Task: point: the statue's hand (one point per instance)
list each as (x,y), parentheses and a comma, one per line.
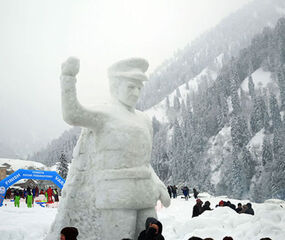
(164,196)
(70,67)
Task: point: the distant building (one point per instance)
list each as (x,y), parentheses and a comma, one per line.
(3,172)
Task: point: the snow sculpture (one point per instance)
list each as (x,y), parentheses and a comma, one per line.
(111,187)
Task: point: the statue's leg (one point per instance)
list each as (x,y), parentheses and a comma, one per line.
(143,214)
(118,223)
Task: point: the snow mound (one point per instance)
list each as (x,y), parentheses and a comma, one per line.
(269,220)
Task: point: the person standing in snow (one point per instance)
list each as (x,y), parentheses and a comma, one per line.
(169,189)
(195,193)
(17,199)
(37,191)
(153,230)
(55,194)
(174,191)
(197,209)
(49,193)
(29,200)
(185,191)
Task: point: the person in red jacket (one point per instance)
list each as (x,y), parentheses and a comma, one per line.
(49,193)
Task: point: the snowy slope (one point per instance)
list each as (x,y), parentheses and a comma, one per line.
(159,111)
(24,164)
(269,221)
(261,79)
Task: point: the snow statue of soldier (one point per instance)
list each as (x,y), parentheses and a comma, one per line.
(111,188)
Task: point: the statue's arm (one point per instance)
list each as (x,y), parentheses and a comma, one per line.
(73,112)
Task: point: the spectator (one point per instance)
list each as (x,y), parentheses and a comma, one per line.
(49,193)
(208,239)
(69,233)
(195,193)
(239,208)
(55,194)
(206,206)
(221,204)
(185,191)
(174,191)
(197,209)
(266,238)
(169,189)
(195,238)
(249,209)
(228,238)
(153,230)
(17,199)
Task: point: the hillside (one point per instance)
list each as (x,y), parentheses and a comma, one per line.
(226,135)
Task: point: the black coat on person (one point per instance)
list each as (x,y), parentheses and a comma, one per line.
(197,210)
(249,209)
(206,206)
(150,233)
(239,209)
(195,193)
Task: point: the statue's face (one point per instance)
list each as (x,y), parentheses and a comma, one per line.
(128,92)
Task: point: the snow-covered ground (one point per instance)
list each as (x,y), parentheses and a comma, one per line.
(269,221)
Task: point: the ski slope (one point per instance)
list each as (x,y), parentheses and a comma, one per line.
(268,221)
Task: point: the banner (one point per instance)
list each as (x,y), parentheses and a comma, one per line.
(29,174)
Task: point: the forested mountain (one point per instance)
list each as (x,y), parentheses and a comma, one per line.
(227,135)
(229,37)
(218,109)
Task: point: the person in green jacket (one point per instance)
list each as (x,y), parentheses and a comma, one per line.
(46,194)
(17,199)
(29,200)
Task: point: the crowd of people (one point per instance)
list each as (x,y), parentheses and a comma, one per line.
(152,231)
(199,208)
(172,191)
(30,194)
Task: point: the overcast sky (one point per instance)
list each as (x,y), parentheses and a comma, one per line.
(37,35)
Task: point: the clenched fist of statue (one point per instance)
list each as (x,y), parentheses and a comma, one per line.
(70,67)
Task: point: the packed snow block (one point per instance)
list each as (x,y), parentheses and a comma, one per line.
(130,194)
(110,181)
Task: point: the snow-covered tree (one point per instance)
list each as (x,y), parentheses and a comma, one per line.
(63,166)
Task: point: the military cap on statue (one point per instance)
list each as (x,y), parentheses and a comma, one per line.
(132,68)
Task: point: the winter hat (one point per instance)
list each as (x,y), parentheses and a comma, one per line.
(198,200)
(248,205)
(152,220)
(221,203)
(70,233)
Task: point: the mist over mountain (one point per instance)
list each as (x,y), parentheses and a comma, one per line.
(228,37)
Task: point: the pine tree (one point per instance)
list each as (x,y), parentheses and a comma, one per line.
(275,113)
(258,115)
(251,87)
(267,154)
(63,166)
(233,91)
(248,167)
(239,131)
(236,179)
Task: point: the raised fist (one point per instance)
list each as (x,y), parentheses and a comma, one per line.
(70,67)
